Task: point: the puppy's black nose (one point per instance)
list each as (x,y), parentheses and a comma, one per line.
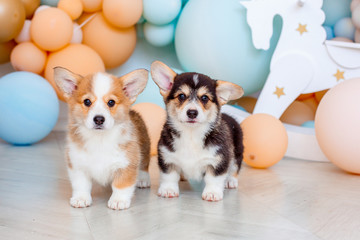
(99,120)
(192,113)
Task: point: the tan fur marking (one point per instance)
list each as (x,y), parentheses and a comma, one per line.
(68,161)
(127,177)
(143,140)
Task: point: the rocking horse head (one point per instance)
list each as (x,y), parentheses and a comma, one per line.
(260,15)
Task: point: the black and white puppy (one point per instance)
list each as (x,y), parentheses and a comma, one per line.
(197,140)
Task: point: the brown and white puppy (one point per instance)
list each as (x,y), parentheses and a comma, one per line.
(197,140)
(106,142)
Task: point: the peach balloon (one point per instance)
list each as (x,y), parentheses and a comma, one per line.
(73,8)
(319,95)
(114,45)
(122,13)
(337,125)
(265,140)
(24,35)
(154,117)
(12,17)
(5,51)
(78,58)
(247,102)
(92,5)
(27,56)
(312,103)
(304,96)
(51,29)
(30,7)
(297,113)
(39,9)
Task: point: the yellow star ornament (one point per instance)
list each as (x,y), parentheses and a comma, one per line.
(302,28)
(279,92)
(339,75)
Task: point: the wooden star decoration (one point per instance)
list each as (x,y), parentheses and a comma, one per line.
(302,28)
(339,75)
(279,92)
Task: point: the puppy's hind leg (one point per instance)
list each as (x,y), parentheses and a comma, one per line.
(232,178)
(143,179)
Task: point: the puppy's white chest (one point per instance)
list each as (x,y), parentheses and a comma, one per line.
(191,156)
(98,159)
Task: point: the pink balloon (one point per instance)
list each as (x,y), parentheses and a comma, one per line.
(337,125)
(24,35)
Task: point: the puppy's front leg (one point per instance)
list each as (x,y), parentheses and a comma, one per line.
(123,187)
(169,184)
(214,186)
(81,188)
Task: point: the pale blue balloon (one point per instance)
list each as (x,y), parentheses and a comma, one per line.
(308,124)
(329,32)
(52,3)
(212,37)
(159,36)
(161,12)
(335,10)
(345,28)
(152,93)
(29,108)
(239,107)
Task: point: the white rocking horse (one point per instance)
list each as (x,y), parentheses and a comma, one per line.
(303,61)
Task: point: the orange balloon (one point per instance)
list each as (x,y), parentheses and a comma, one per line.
(337,125)
(122,13)
(77,58)
(297,113)
(312,103)
(73,8)
(92,5)
(114,45)
(305,96)
(265,140)
(319,95)
(247,102)
(154,117)
(5,51)
(51,29)
(30,6)
(27,56)
(12,17)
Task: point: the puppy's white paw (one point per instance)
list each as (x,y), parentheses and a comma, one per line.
(143,180)
(168,190)
(231,182)
(212,194)
(119,204)
(81,201)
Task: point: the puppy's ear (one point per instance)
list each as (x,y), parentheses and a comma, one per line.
(163,76)
(134,83)
(66,81)
(227,91)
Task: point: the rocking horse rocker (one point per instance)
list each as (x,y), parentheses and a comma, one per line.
(303,61)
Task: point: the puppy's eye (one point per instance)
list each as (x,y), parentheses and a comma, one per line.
(204,98)
(182,97)
(87,102)
(111,103)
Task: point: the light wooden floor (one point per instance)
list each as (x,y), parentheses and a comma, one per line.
(292,200)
